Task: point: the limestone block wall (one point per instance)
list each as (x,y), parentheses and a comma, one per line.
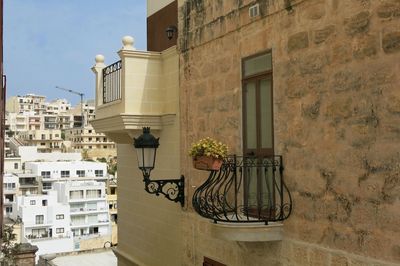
(336,122)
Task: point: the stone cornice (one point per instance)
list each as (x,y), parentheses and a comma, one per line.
(121,128)
(139,54)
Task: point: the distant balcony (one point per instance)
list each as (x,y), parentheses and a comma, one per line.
(26,184)
(142,89)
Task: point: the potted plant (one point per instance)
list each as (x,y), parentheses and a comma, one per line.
(208,154)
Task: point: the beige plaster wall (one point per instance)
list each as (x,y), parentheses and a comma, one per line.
(336,117)
(149,227)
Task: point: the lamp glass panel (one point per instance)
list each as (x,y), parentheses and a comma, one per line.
(139,153)
(149,157)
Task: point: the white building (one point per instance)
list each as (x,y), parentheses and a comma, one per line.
(90,222)
(12,165)
(30,153)
(10,190)
(58,106)
(45,222)
(17,122)
(51,172)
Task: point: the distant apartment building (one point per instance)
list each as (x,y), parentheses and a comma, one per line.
(10,190)
(112,208)
(27,103)
(58,106)
(45,222)
(90,222)
(86,109)
(50,172)
(32,112)
(73,215)
(50,121)
(35,122)
(64,121)
(13,165)
(30,153)
(88,139)
(44,140)
(29,183)
(16,122)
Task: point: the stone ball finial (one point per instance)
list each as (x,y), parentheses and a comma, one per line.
(99,59)
(128,42)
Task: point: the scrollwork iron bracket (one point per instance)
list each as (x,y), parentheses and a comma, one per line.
(172,189)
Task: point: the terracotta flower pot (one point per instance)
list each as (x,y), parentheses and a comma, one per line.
(207,163)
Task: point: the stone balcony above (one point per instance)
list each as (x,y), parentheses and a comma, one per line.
(142,89)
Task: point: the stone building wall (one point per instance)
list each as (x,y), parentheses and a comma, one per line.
(336,122)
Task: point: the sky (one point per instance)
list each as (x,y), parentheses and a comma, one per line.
(50,43)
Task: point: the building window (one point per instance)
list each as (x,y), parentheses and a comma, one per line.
(60,217)
(93,230)
(8,210)
(45,174)
(46,185)
(258,137)
(80,173)
(9,186)
(39,219)
(43,136)
(77,194)
(15,165)
(98,173)
(64,173)
(33,202)
(44,202)
(93,193)
(59,230)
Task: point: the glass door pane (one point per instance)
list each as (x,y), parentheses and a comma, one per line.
(266,114)
(250,116)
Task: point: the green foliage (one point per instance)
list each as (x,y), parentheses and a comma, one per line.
(102,160)
(112,169)
(8,246)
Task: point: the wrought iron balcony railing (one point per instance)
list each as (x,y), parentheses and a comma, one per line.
(245,190)
(112,82)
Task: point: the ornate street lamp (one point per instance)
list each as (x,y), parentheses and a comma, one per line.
(146,148)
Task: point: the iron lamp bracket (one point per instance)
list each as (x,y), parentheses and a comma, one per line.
(172,189)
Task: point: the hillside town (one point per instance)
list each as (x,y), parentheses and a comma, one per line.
(60,176)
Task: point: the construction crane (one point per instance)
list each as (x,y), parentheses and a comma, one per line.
(77,93)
